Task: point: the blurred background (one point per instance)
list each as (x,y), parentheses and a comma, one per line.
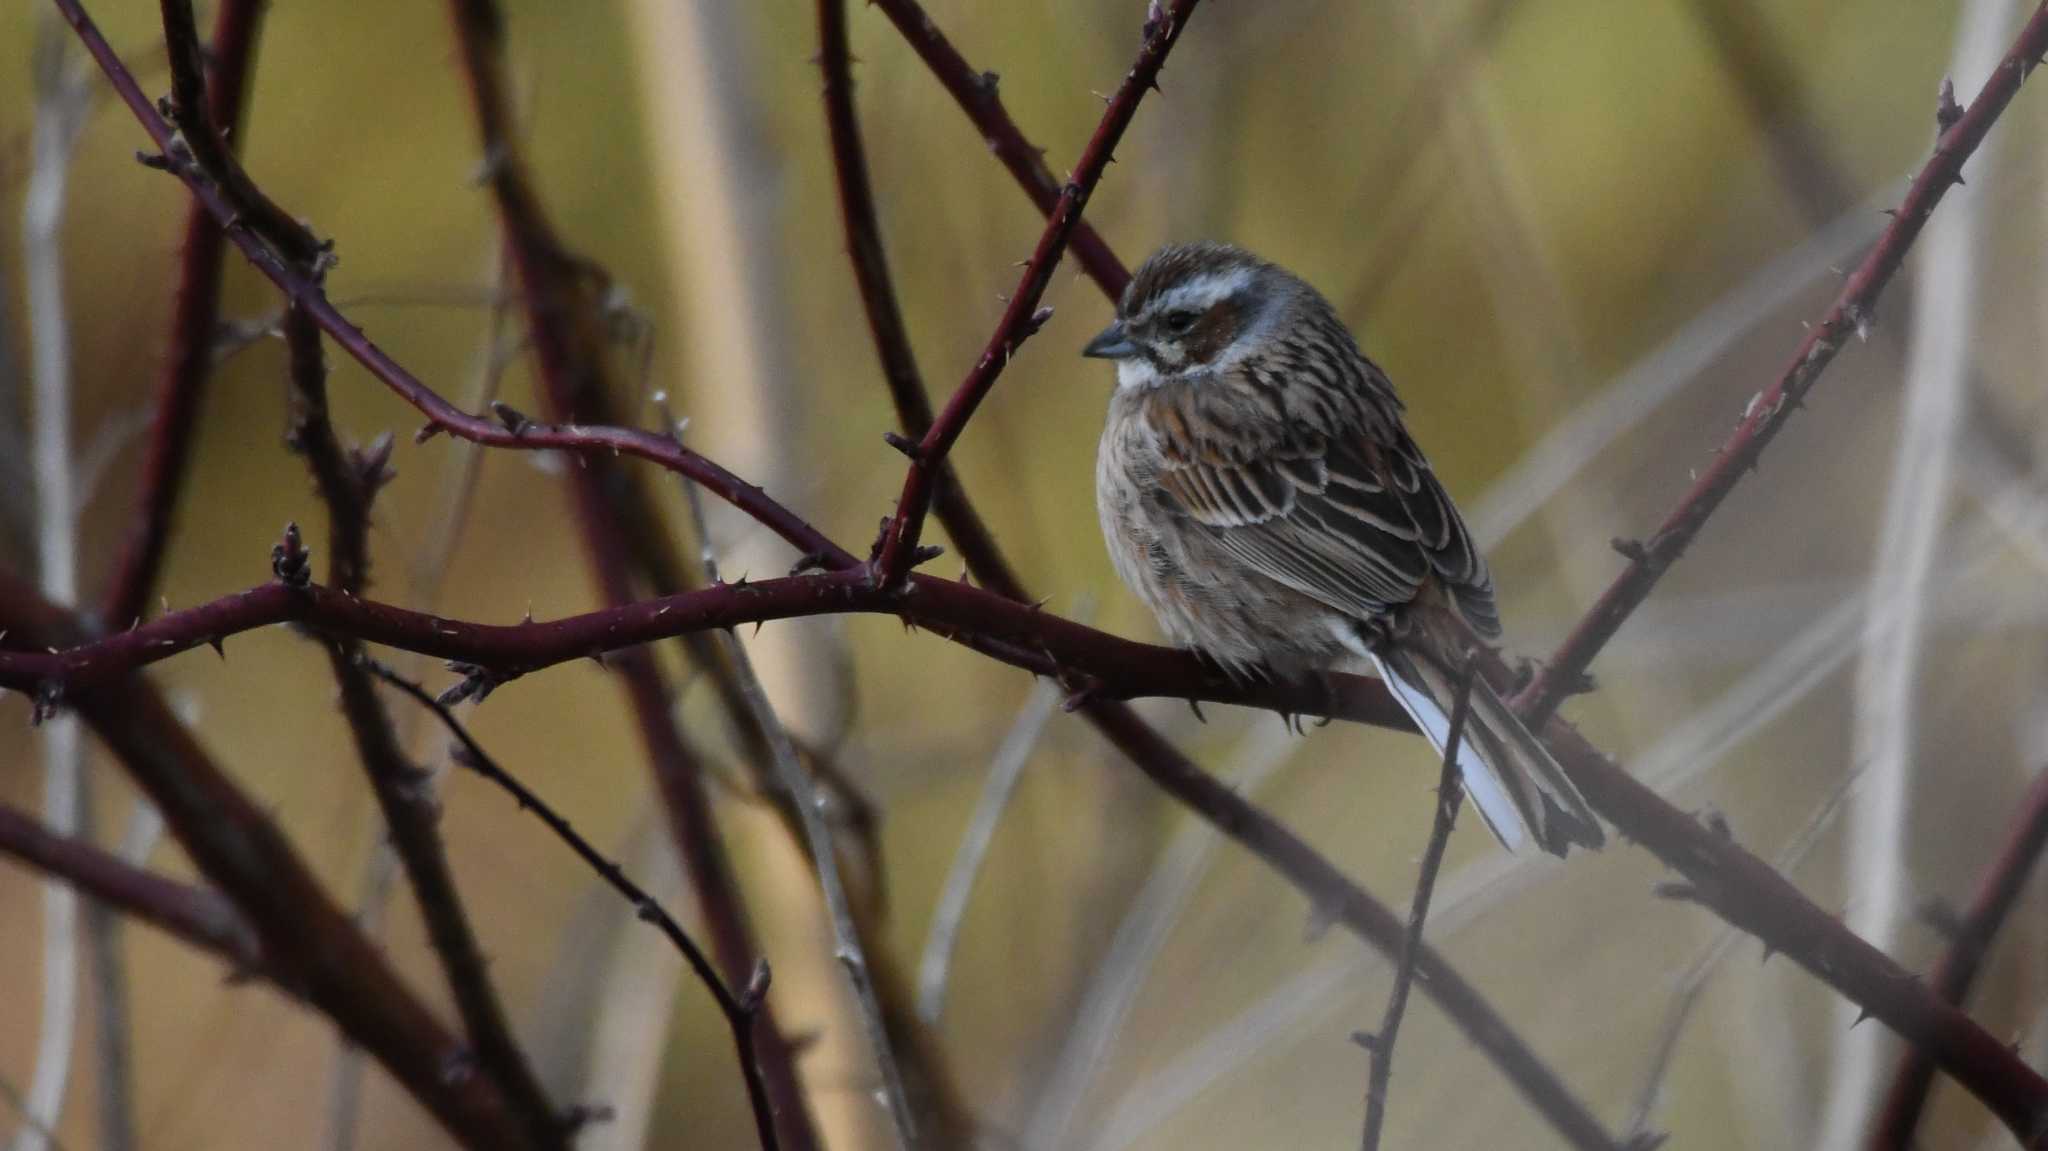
(1579,235)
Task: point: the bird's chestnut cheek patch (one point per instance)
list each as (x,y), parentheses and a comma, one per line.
(1214,332)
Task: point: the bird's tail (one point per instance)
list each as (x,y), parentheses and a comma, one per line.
(1519,789)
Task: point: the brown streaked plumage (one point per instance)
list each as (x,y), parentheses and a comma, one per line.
(1259,491)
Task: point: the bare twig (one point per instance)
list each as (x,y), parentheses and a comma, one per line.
(188,359)
(1022,316)
(347,483)
(570,345)
(1450,793)
(194,915)
(1769,411)
(1969,946)
(739,1008)
(1915,514)
(247,857)
(846,944)
(975,92)
(1741,887)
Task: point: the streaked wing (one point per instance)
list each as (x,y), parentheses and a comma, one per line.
(1358,525)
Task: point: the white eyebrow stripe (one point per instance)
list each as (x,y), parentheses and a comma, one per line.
(1202,293)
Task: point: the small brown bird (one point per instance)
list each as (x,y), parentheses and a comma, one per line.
(1259,492)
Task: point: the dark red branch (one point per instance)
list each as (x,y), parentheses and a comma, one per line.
(201,143)
(1770,410)
(1750,894)
(1017,633)
(313,943)
(1969,946)
(976,94)
(1022,316)
(739,1008)
(502,429)
(1148,750)
(193,914)
(188,359)
(346,483)
(570,352)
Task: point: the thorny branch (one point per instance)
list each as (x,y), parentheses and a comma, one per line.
(1148,750)
(571,354)
(1970,936)
(739,1009)
(1023,317)
(347,482)
(1741,888)
(1771,409)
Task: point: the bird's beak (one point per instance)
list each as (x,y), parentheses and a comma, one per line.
(1112,344)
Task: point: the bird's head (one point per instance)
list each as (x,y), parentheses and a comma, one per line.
(1190,309)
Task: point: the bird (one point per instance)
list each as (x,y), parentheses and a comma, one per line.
(1260,492)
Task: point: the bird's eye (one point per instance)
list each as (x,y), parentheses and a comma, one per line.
(1179,322)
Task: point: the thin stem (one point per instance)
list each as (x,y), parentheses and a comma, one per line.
(846,944)
(571,354)
(347,482)
(1970,937)
(1770,410)
(195,314)
(195,915)
(239,849)
(739,1008)
(1022,316)
(1450,793)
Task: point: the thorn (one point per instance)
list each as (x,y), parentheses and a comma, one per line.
(427,432)
(219,648)
(1943,917)
(1367,1040)
(1946,110)
(514,420)
(1037,321)
(1631,550)
(909,447)
(989,82)
(1321,917)
(373,465)
(1862,1014)
(1195,705)
(154,161)
(808,562)
(48,697)
(1677,891)
(926,553)
(290,562)
(756,989)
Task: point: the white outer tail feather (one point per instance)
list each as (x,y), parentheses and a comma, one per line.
(1488,793)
